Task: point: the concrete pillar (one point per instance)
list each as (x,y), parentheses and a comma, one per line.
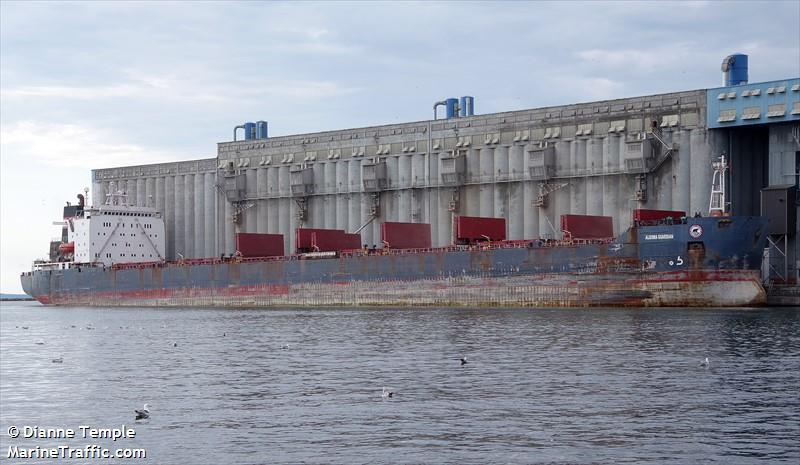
(150,192)
(516,195)
(681,172)
(273,204)
(661,198)
(180,220)
(611,154)
(160,196)
(250,214)
(199,249)
(319,204)
(594,184)
(262,213)
(272,187)
(392,172)
(367,233)
(130,189)
(98,194)
(229,227)
(354,198)
(389,211)
(486,178)
(559,201)
(578,164)
(404,196)
(471,194)
(500,171)
(701,143)
(210,215)
(169,216)
(418,176)
(342,187)
(445,217)
(188,215)
(433,207)
(286,222)
(141,193)
(530,213)
(404,171)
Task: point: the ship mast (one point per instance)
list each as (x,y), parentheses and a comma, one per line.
(717,206)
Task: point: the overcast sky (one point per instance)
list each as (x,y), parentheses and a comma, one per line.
(94,85)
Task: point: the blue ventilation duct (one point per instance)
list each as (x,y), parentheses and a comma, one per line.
(451,108)
(249,131)
(734,70)
(261,130)
(466,106)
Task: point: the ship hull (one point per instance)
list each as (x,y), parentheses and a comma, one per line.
(703,289)
(647,267)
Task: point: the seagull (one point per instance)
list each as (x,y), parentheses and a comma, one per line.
(285,347)
(386,393)
(142,414)
(464,360)
(58,360)
(705,363)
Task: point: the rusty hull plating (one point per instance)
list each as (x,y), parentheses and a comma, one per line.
(702,262)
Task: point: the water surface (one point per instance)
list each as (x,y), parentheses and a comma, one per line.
(554,386)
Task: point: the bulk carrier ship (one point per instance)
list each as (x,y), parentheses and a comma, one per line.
(113,255)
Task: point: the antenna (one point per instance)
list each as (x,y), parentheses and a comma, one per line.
(717,206)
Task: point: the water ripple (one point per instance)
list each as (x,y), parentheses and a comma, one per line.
(541,386)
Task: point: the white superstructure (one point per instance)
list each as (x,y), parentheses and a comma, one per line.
(117,232)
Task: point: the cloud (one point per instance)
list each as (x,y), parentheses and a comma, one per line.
(653,59)
(74,146)
(71,92)
(183,89)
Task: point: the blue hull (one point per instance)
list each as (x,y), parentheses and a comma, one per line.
(705,262)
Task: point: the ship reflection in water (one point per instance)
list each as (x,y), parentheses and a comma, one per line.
(290,386)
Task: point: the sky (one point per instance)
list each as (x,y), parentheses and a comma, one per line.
(96,85)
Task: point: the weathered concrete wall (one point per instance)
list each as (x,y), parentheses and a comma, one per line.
(184,192)
(591,174)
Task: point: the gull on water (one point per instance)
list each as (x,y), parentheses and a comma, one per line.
(705,362)
(464,360)
(143,413)
(386,393)
(58,360)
